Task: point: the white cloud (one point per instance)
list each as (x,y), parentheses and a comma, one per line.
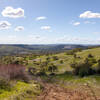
(89,22)
(76,23)
(45,27)
(36,39)
(4,25)
(77,40)
(13,13)
(71,22)
(41,18)
(34,36)
(96,32)
(12,37)
(19,28)
(89,14)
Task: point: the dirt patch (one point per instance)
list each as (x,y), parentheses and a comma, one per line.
(54,92)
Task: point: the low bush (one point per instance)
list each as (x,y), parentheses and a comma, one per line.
(11,72)
(73,51)
(52,68)
(55,58)
(90,56)
(61,61)
(32,70)
(4,84)
(70,52)
(97,67)
(41,73)
(82,69)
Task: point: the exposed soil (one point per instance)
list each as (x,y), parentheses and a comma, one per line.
(54,92)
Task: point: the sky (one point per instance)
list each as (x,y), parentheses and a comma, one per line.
(49,21)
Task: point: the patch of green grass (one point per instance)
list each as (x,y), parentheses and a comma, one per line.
(21,91)
(65,77)
(68,78)
(95,52)
(67,59)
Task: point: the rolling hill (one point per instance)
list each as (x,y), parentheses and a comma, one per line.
(12,49)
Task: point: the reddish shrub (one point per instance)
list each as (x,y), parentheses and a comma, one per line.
(13,72)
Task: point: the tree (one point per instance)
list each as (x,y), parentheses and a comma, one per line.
(75,56)
(61,61)
(52,68)
(32,70)
(98,66)
(82,69)
(48,58)
(90,56)
(55,58)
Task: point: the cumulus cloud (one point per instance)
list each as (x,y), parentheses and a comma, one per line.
(13,13)
(4,25)
(45,27)
(41,18)
(19,28)
(76,23)
(89,14)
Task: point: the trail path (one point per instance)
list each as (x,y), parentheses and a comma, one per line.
(54,92)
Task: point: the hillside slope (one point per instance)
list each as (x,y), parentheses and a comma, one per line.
(12,49)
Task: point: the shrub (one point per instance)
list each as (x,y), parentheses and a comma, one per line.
(52,68)
(41,73)
(11,72)
(48,58)
(61,61)
(90,59)
(82,69)
(98,67)
(90,56)
(4,84)
(32,70)
(70,52)
(55,58)
(75,56)
(85,70)
(77,49)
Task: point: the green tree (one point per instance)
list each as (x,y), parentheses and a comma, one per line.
(82,69)
(52,68)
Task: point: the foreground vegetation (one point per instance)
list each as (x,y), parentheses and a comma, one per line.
(20,91)
(71,69)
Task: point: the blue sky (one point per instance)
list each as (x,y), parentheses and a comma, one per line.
(49,21)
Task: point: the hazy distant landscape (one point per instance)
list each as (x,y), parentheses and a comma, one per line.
(43,49)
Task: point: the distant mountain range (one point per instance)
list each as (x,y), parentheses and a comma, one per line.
(11,49)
